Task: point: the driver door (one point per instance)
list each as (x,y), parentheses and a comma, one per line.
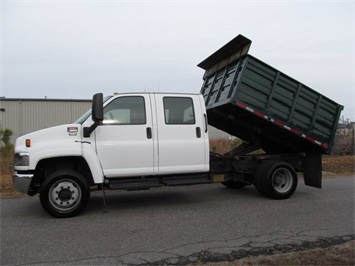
(124,141)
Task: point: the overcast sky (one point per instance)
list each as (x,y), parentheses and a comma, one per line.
(73,49)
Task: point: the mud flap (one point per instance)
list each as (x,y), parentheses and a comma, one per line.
(312,170)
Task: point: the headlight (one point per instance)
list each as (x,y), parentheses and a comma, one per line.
(22,159)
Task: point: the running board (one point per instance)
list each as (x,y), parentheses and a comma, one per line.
(155,182)
(134,184)
(186,180)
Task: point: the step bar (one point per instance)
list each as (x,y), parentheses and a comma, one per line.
(143,183)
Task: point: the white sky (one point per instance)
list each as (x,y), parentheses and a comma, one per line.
(73,49)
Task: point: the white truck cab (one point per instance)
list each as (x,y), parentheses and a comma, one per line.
(135,135)
(151,134)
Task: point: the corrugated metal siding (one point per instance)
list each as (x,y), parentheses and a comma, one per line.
(23,116)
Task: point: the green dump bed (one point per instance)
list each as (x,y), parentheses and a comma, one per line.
(253,101)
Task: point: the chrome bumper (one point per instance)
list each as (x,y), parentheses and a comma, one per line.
(22,181)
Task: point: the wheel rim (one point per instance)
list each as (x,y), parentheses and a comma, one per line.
(282,180)
(65,195)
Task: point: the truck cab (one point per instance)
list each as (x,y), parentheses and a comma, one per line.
(151,134)
(125,139)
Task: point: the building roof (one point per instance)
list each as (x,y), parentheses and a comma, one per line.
(42,100)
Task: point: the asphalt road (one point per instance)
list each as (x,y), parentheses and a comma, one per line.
(177,225)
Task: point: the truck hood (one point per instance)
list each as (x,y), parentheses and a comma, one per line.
(58,141)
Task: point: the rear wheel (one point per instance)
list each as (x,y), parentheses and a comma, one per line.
(64,194)
(276,179)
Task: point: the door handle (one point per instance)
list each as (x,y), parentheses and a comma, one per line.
(198,132)
(206,123)
(149,132)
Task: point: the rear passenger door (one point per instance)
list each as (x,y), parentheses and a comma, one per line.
(182,134)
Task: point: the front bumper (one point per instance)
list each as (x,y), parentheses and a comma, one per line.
(22,181)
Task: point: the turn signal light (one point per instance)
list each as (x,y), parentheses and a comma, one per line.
(28,143)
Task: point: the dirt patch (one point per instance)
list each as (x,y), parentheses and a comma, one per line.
(339,164)
(343,254)
(7,189)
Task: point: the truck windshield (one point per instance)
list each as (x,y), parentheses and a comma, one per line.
(85,116)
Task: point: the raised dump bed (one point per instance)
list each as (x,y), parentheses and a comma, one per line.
(253,101)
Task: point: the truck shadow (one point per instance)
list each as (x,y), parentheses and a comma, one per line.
(177,197)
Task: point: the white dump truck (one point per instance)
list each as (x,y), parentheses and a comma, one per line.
(136,141)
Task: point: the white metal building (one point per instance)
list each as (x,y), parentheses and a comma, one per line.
(23,116)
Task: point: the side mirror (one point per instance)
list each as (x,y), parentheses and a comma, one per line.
(97,114)
(97,108)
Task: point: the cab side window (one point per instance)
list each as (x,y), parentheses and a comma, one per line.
(178,111)
(128,110)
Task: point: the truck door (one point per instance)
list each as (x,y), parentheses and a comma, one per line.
(124,142)
(182,134)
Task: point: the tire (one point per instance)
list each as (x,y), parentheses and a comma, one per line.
(234,184)
(64,194)
(275,179)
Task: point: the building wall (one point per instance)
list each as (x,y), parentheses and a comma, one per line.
(23,116)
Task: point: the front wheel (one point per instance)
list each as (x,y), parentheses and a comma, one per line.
(276,179)
(64,194)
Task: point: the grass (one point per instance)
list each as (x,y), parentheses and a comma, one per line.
(6,162)
(339,164)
